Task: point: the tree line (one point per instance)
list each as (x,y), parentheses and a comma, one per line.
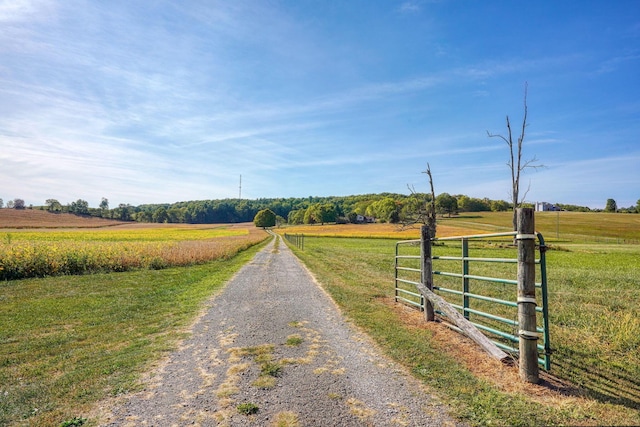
(383,207)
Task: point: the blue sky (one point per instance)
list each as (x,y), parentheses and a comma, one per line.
(161,101)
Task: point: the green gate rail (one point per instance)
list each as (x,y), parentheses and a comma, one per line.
(488,317)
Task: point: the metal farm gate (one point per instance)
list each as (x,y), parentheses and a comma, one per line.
(478,275)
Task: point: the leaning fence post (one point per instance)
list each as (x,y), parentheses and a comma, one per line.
(426,268)
(527,325)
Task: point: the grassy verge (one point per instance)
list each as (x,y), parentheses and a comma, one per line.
(68,342)
(358,273)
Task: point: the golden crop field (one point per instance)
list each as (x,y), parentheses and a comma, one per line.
(377,230)
(46,252)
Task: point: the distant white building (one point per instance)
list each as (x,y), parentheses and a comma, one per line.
(546,207)
(362,218)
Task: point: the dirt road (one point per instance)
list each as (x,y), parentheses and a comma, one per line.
(273,349)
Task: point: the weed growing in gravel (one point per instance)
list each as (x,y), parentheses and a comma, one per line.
(273,369)
(247,408)
(294,340)
(264,382)
(75,422)
(286,419)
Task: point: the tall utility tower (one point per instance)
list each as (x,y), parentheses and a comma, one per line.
(240,189)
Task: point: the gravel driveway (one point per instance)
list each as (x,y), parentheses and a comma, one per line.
(273,349)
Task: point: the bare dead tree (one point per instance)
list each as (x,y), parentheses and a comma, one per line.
(516,164)
(425,214)
(431,211)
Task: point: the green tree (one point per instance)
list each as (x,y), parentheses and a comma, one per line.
(611,206)
(175,215)
(265,218)
(123,212)
(160,215)
(296,216)
(327,213)
(446,203)
(637,205)
(18,204)
(104,204)
(79,207)
(499,206)
(1,203)
(312,214)
(383,209)
(53,205)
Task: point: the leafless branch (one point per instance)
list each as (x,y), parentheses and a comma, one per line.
(425,214)
(515,164)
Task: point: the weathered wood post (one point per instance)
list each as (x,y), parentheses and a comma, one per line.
(426,267)
(528,343)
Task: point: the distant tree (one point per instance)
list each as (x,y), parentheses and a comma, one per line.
(79,207)
(574,208)
(10,204)
(516,164)
(446,203)
(472,204)
(383,209)
(296,216)
(160,215)
(499,206)
(637,205)
(104,204)
(313,214)
(1,203)
(18,204)
(144,216)
(53,205)
(361,207)
(124,212)
(265,218)
(327,213)
(352,217)
(175,215)
(611,206)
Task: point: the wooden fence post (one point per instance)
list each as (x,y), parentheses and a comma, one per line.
(528,342)
(426,267)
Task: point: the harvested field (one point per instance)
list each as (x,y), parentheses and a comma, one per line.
(29,218)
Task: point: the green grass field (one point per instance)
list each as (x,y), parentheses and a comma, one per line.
(594,289)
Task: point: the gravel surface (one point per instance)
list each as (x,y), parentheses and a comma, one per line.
(274,342)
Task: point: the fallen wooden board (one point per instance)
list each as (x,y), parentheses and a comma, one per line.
(461,322)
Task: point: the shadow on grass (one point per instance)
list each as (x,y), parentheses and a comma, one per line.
(618,385)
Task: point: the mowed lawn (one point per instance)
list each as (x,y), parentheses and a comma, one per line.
(594,289)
